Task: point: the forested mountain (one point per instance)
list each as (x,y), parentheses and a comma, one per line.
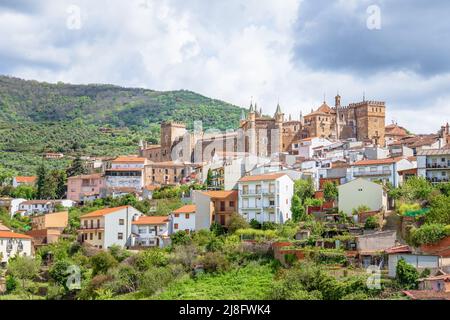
(37,117)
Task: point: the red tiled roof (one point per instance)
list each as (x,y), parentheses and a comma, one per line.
(378,161)
(427,295)
(24,179)
(189,208)
(129,159)
(399,249)
(220,194)
(103,212)
(143,220)
(10,234)
(269,176)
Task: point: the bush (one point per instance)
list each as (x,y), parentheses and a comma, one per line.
(118,253)
(124,279)
(58,272)
(154,280)
(151,258)
(371,223)
(217,229)
(269,225)
(102,262)
(237,222)
(428,234)
(180,238)
(215,262)
(255,224)
(407,275)
(11,283)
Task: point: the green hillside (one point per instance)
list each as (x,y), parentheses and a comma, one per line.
(37,117)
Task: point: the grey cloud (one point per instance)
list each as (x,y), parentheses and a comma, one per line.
(414,36)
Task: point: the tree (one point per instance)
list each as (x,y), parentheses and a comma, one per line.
(439,212)
(46,183)
(24,191)
(24,268)
(102,262)
(416,188)
(330,191)
(304,189)
(76,168)
(60,178)
(180,238)
(429,233)
(237,222)
(371,223)
(297,209)
(407,275)
(209,178)
(6,175)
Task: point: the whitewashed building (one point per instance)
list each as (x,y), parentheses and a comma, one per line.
(266,198)
(434,165)
(106,227)
(14,244)
(126,172)
(151,231)
(30,207)
(361,192)
(183,219)
(380,170)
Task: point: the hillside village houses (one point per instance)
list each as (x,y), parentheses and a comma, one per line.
(266,198)
(251,172)
(106,227)
(23,180)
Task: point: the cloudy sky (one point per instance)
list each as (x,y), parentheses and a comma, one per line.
(292,51)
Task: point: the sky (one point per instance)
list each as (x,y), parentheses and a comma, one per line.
(295,52)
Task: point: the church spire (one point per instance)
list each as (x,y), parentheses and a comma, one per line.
(278,111)
(242,115)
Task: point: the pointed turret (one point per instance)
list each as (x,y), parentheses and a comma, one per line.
(278,111)
(242,115)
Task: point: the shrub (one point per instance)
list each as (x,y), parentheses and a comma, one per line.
(406,207)
(428,234)
(102,262)
(371,223)
(151,258)
(11,283)
(267,225)
(255,224)
(237,222)
(407,275)
(118,253)
(180,238)
(58,272)
(215,262)
(124,279)
(154,280)
(217,229)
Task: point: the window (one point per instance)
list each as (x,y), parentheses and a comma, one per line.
(245,189)
(187,215)
(222,205)
(91,236)
(177,215)
(121,222)
(271,202)
(258,188)
(175,226)
(120,236)
(232,204)
(99,236)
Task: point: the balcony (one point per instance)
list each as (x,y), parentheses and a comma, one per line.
(91,227)
(437,180)
(372,173)
(438,166)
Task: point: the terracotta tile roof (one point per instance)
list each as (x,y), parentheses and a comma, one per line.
(129,159)
(103,212)
(427,295)
(269,176)
(189,208)
(143,220)
(125,169)
(10,234)
(220,194)
(378,161)
(36,202)
(87,176)
(399,249)
(24,179)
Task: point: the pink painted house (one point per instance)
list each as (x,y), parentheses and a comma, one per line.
(85,187)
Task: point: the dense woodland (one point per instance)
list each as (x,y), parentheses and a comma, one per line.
(37,117)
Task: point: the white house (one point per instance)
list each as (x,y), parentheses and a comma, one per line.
(381,169)
(30,207)
(151,231)
(266,197)
(434,165)
(14,244)
(183,219)
(360,192)
(15,205)
(126,172)
(305,147)
(24,180)
(106,227)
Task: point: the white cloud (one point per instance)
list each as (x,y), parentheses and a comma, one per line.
(230,50)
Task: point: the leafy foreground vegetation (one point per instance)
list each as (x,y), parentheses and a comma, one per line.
(37,117)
